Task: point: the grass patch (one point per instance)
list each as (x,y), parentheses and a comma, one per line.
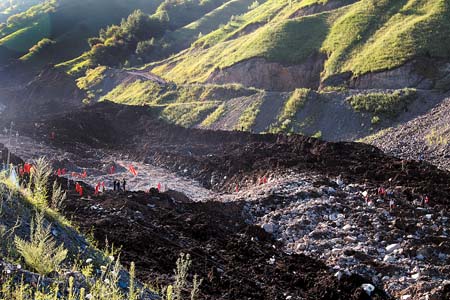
(287,42)
(142,92)
(92,78)
(438,137)
(182,38)
(187,114)
(386,104)
(286,118)
(215,116)
(248,117)
(376,35)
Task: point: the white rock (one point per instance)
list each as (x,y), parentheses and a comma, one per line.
(392,247)
(347,227)
(415,276)
(406,297)
(389,258)
(338,275)
(368,288)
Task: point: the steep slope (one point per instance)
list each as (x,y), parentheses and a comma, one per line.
(345,45)
(425,137)
(143,38)
(67,24)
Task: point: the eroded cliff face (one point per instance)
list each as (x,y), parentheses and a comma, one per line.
(272,76)
(408,75)
(421,73)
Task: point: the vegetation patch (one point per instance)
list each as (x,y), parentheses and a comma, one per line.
(41,46)
(215,116)
(188,114)
(386,104)
(286,119)
(93,78)
(248,117)
(438,137)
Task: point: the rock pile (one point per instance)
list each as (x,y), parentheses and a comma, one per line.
(406,250)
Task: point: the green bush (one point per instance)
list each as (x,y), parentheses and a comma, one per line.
(375,120)
(389,104)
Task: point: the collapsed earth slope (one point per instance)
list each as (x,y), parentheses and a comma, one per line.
(302,206)
(425,137)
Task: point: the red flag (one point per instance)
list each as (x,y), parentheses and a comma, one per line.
(58,172)
(27,168)
(159,187)
(63,171)
(97,188)
(237,187)
(132,170)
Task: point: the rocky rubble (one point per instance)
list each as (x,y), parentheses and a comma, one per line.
(426,137)
(406,250)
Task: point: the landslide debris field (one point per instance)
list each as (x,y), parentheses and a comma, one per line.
(308,233)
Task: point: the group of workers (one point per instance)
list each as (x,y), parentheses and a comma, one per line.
(118,187)
(388,195)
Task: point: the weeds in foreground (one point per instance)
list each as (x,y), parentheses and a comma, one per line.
(176,291)
(41,253)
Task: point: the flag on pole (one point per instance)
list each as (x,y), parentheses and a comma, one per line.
(132,170)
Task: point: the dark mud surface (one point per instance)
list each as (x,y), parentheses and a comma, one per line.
(236,260)
(232,157)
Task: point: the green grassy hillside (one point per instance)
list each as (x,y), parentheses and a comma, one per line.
(146,37)
(68,23)
(366,36)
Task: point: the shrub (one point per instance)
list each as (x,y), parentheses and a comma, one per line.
(41,253)
(375,120)
(58,197)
